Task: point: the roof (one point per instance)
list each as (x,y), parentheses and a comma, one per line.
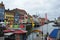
(9,11)
(29,16)
(20,10)
(54,33)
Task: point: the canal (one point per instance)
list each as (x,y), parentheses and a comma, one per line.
(45,28)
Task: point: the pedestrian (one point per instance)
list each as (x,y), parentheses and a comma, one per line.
(4,26)
(46,37)
(37,35)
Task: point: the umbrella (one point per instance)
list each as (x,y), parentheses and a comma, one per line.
(54,33)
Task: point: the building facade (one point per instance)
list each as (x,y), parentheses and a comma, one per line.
(9,15)
(19,15)
(42,21)
(2,10)
(16,17)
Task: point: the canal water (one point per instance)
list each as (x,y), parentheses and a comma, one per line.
(45,28)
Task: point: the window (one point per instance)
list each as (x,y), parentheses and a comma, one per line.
(1,9)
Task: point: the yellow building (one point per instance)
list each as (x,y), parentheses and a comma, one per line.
(31,20)
(9,15)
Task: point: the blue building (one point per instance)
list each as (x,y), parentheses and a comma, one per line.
(16,17)
(2,10)
(19,15)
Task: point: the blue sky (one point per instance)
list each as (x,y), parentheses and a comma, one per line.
(39,7)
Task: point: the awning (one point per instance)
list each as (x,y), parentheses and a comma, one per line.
(16,31)
(20,32)
(54,33)
(21,25)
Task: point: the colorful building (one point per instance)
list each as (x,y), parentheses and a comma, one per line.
(9,15)
(25,18)
(35,18)
(30,20)
(2,10)
(22,15)
(20,18)
(36,21)
(42,21)
(29,17)
(16,17)
(19,15)
(58,21)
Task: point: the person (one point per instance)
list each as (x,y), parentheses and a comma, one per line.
(37,35)
(3,26)
(1,32)
(46,37)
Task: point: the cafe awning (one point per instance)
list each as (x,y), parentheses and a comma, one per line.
(15,31)
(20,32)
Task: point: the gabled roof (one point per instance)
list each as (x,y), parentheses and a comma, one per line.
(20,10)
(29,16)
(9,11)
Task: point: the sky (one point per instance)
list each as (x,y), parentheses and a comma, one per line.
(37,7)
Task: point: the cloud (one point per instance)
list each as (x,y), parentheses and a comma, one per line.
(51,7)
(14,4)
